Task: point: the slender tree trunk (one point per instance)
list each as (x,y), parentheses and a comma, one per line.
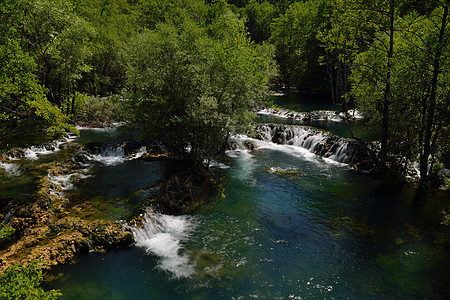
(387,90)
(73,111)
(426,151)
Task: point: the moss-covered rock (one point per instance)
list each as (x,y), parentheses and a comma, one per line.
(51,230)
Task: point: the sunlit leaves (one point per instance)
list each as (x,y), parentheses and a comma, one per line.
(195,86)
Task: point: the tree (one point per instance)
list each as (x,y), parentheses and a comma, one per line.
(114,22)
(297,48)
(425,62)
(405,88)
(258,16)
(193,87)
(343,38)
(22,98)
(371,69)
(60,42)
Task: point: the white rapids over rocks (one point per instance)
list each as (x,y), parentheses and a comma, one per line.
(319,115)
(302,140)
(11,169)
(164,236)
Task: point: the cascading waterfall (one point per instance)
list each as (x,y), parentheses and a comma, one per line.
(110,155)
(164,236)
(318,115)
(11,169)
(317,141)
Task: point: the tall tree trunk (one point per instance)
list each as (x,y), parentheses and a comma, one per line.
(426,151)
(387,90)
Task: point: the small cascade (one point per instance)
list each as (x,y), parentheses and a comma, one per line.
(139,153)
(110,155)
(164,236)
(65,182)
(34,152)
(300,136)
(11,169)
(317,115)
(316,141)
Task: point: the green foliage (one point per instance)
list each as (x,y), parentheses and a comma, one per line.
(258,16)
(152,12)
(21,95)
(20,282)
(193,87)
(60,42)
(114,22)
(6,232)
(446,216)
(297,48)
(100,110)
(414,108)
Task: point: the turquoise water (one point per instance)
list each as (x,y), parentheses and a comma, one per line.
(330,233)
(303,101)
(284,224)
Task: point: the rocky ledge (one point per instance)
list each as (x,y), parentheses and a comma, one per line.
(53,230)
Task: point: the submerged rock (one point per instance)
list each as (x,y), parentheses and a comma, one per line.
(292,174)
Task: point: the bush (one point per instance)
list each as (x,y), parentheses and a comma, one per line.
(20,282)
(6,232)
(100,110)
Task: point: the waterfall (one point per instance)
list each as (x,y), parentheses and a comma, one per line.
(316,141)
(139,153)
(110,155)
(34,152)
(317,115)
(11,169)
(164,236)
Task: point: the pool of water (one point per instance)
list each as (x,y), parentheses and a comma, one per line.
(284,224)
(304,101)
(328,232)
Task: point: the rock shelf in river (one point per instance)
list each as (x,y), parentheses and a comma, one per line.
(318,115)
(50,229)
(319,142)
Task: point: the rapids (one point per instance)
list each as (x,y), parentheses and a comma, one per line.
(289,221)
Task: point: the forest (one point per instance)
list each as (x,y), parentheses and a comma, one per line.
(191,73)
(190,70)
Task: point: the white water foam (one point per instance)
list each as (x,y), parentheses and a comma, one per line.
(33,152)
(239,141)
(65,182)
(110,156)
(141,151)
(11,169)
(164,236)
(318,115)
(340,150)
(218,165)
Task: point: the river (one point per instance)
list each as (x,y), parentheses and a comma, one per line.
(284,224)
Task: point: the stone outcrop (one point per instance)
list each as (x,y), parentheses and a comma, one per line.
(51,230)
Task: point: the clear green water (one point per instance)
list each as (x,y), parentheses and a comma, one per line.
(330,234)
(325,233)
(302,101)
